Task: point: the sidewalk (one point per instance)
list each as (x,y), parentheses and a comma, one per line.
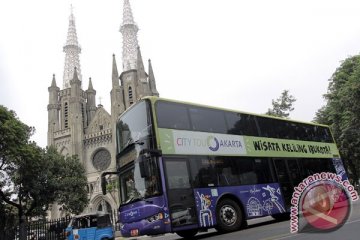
(131,238)
(161,236)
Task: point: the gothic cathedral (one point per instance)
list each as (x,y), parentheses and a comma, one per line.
(77,126)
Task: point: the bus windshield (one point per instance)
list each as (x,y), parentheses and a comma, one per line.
(135,186)
(134,127)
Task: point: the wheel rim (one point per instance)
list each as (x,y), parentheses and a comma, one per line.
(228,215)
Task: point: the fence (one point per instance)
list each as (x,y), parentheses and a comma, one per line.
(48,230)
(55,229)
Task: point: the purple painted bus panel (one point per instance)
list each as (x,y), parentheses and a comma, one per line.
(258,200)
(145,217)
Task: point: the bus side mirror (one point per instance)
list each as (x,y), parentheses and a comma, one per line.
(144,167)
(103,184)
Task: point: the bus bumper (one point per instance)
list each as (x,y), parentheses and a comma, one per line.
(144,227)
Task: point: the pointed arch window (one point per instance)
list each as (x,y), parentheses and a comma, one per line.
(83,114)
(104,206)
(66,115)
(131,101)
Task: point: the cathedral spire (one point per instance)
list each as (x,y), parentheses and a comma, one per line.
(129,31)
(72,50)
(53,82)
(142,76)
(152,80)
(115,74)
(90,85)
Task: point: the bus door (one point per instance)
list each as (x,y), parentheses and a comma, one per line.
(288,174)
(180,194)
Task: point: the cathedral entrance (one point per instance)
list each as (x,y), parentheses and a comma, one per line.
(104,206)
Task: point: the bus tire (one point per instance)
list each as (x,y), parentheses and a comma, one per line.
(229,216)
(187,234)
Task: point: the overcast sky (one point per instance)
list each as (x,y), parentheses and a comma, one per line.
(237,54)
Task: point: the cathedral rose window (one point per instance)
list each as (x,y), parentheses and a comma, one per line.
(101,159)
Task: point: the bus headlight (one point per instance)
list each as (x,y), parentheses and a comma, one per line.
(155,217)
(134,232)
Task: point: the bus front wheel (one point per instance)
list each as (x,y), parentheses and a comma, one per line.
(187,234)
(229,216)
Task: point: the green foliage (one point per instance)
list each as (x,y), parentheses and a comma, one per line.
(282,106)
(32,178)
(13,135)
(72,193)
(7,223)
(342,112)
(111,186)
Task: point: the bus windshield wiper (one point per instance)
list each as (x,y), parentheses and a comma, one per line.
(133,199)
(137,198)
(131,142)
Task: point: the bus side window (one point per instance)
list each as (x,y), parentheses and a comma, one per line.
(172,115)
(225,177)
(241,124)
(261,167)
(223,180)
(227,173)
(177,175)
(203,172)
(205,178)
(247,178)
(207,120)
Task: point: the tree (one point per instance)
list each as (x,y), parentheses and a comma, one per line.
(32,178)
(7,229)
(342,112)
(282,106)
(72,182)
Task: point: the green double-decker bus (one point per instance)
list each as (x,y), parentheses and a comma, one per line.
(186,167)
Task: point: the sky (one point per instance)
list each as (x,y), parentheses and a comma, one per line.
(236,54)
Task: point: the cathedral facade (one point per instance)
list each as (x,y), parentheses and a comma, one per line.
(77,126)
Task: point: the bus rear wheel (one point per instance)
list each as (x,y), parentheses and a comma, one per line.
(187,234)
(229,216)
